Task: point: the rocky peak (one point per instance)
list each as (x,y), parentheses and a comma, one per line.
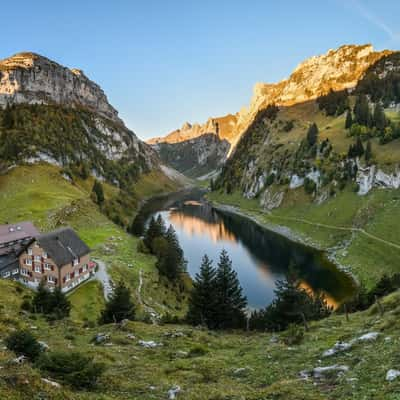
(31,78)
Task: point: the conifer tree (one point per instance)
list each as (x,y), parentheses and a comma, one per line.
(155,229)
(349,120)
(359,148)
(98,191)
(312,134)
(119,306)
(362,114)
(60,305)
(42,300)
(368,151)
(229,298)
(379,118)
(172,263)
(202,304)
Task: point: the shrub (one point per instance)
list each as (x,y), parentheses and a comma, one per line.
(23,343)
(76,369)
(293,335)
(197,351)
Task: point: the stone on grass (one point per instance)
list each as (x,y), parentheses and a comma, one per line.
(173,392)
(19,360)
(44,345)
(324,372)
(392,374)
(151,344)
(337,348)
(368,337)
(51,383)
(242,371)
(101,338)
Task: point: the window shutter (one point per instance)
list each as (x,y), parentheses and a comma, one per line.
(56,281)
(52,267)
(64,279)
(72,274)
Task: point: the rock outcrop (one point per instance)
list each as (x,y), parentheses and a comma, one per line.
(34,79)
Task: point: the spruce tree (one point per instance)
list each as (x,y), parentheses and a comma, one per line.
(119,306)
(60,305)
(359,148)
(98,191)
(379,118)
(229,298)
(368,152)
(41,302)
(349,120)
(8,121)
(172,263)
(155,229)
(202,303)
(362,114)
(312,134)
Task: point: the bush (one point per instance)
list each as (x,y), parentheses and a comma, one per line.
(76,369)
(197,351)
(293,335)
(23,343)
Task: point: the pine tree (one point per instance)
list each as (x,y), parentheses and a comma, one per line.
(229,298)
(312,134)
(202,305)
(379,118)
(368,152)
(98,191)
(41,302)
(155,229)
(349,120)
(119,306)
(8,118)
(362,114)
(172,263)
(60,305)
(359,148)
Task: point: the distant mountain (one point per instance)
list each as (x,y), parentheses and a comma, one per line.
(336,70)
(55,114)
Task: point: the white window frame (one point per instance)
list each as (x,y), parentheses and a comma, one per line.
(28,261)
(24,272)
(47,267)
(30,251)
(15,271)
(51,279)
(6,274)
(38,269)
(45,255)
(38,258)
(75,262)
(67,277)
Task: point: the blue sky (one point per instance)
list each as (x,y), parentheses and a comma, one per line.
(164,62)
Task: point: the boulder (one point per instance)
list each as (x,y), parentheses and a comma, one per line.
(173,392)
(392,374)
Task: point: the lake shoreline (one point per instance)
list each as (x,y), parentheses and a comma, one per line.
(288,233)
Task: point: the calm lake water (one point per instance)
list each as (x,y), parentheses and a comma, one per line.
(260,257)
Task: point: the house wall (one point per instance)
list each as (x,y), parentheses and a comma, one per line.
(34,267)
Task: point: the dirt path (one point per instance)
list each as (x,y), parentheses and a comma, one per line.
(103,276)
(149,310)
(360,230)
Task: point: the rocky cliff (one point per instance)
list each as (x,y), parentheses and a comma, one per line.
(196,157)
(335,70)
(33,79)
(55,114)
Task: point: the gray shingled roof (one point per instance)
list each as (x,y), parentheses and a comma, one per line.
(63,245)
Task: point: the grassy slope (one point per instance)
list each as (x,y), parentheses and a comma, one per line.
(377,213)
(39,193)
(272,368)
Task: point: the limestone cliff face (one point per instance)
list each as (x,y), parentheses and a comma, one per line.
(223,126)
(337,70)
(34,79)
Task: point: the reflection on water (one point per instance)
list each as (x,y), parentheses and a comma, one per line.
(260,257)
(193,226)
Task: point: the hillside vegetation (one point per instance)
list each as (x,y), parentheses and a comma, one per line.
(40,193)
(208,365)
